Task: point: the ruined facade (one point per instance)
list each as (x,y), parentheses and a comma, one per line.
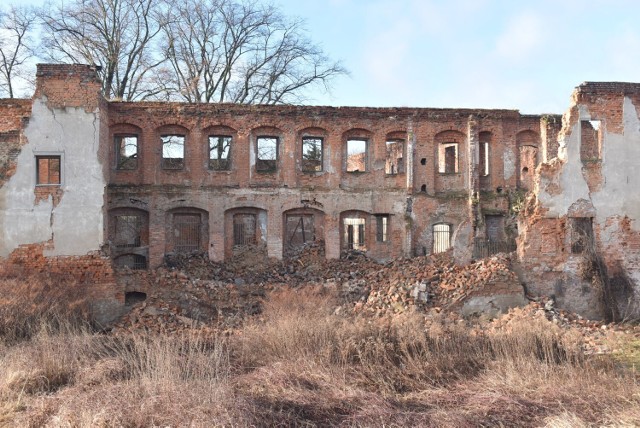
(128,184)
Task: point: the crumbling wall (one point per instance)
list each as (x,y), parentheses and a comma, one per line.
(602,280)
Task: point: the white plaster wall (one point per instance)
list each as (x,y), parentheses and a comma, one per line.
(76,224)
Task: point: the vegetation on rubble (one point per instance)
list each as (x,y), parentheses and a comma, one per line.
(300,363)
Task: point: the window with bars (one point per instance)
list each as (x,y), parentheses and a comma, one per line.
(441,237)
(244,229)
(186,232)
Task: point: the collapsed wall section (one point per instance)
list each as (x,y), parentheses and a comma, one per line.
(579,237)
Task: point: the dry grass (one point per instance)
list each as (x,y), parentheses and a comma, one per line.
(300,364)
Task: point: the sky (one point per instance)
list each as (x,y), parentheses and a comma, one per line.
(516,54)
(512,54)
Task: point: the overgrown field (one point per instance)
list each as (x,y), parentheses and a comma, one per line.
(300,364)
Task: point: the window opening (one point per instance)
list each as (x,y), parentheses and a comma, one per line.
(423,161)
(354,229)
(126,151)
(127,231)
(394,160)
(244,229)
(590,140)
(448,159)
(219,151)
(267,154)
(186,232)
(581,235)
(300,229)
(356,155)
(484,159)
(48,170)
(441,237)
(311,154)
(172,151)
(131,261)
(423,188)
(133,297)
(382,225)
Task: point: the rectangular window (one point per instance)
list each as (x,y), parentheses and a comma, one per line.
(244,229)
(126,151)
(356,155)
(483,165)
(448,158)
(441,237)
(186,232)
(394,161)
(590,140)
(48,170)
(354,233)
(382,225)
(128,229)
(172,151)
(581,235)
(219,150)
(267,154)
(311,154)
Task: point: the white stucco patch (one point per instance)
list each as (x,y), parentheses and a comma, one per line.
(509,159)
(76,223)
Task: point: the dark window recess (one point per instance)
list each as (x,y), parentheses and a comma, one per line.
(311,154)
(581,235)
(267,159)
(127,231)
(354,230)
(133,297)
(244,229)
(382,228)
(300,230)
(423,161)
(48,170)
(441,237)
(423,188)
(356,155)
(394,163)
(172,151)
(131,261)
(186,232)
(220,152)
(126,151)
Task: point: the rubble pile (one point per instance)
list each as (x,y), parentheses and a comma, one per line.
(191,291)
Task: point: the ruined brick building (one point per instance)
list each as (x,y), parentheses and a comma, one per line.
(89,185)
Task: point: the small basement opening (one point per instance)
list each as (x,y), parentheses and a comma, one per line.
(133,297)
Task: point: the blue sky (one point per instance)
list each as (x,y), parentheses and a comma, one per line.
(516,54)
(473,53)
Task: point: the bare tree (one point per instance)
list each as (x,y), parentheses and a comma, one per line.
(16,47)
(241,51)
(116,34)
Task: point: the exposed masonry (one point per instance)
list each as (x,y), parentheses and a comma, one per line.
(137,182)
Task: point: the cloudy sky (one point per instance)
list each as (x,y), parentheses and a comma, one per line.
(527,55)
